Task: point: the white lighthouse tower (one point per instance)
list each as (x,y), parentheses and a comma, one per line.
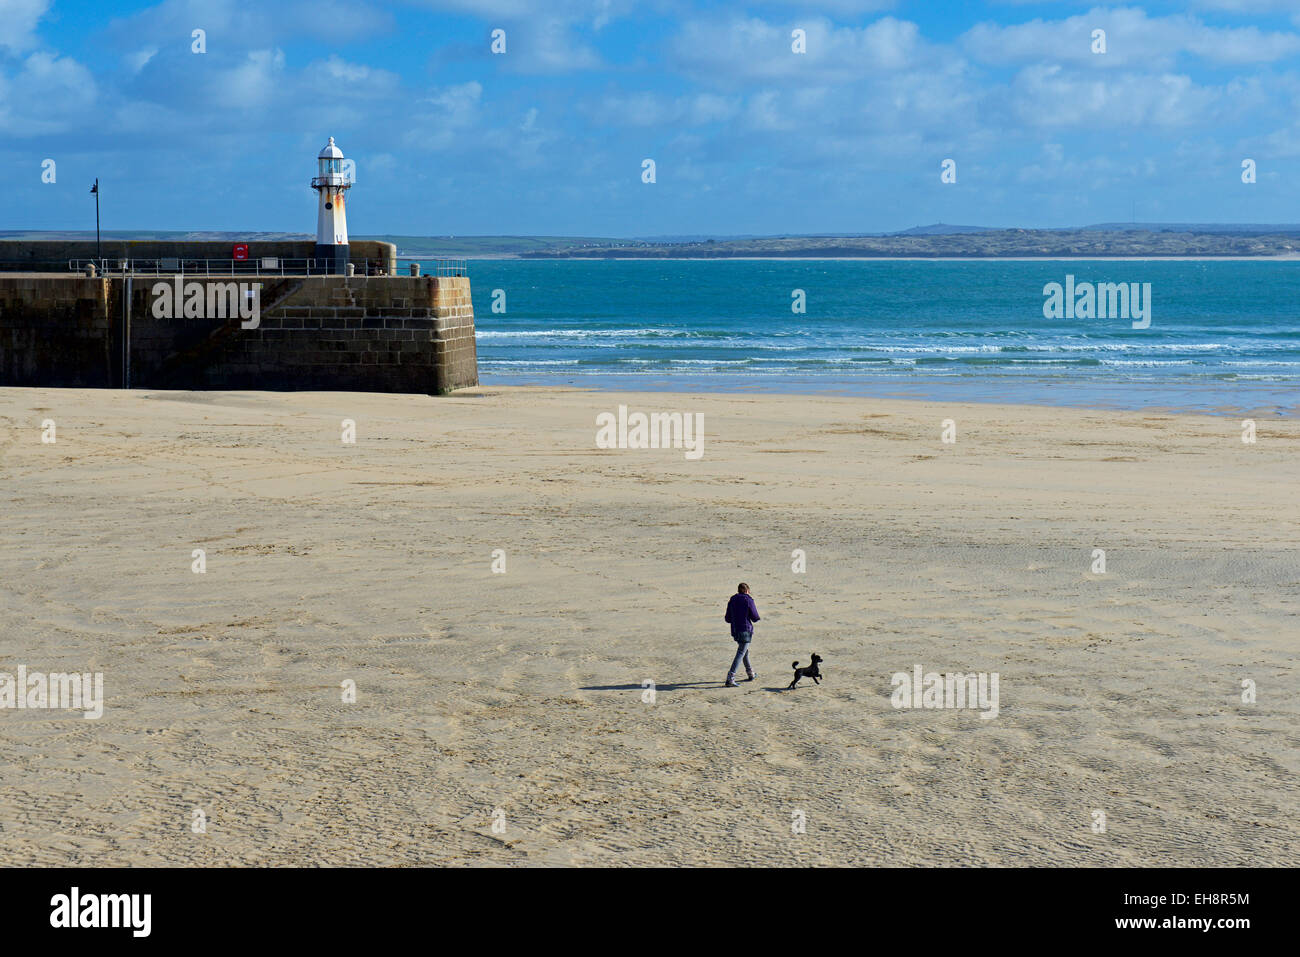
(332,218)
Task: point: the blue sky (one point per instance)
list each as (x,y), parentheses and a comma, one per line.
(747,136)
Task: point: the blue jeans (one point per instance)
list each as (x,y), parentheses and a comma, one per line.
(742,654)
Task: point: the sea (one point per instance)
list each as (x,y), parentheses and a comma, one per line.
(1223,336)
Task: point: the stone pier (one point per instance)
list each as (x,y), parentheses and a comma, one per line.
(355,333)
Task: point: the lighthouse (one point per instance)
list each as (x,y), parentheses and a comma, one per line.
(331,219)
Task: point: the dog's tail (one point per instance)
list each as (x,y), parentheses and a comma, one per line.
(794,664)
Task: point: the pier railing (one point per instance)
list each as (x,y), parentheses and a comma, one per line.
(272,266)
(259,266)
(433,267)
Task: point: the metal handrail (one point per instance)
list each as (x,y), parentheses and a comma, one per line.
(256,266)
(440,267)
(173,266)
(259,266)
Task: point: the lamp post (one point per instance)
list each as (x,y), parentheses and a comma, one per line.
(95,189)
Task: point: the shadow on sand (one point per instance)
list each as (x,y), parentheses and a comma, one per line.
(679,686)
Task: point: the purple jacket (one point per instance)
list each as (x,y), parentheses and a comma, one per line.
(741,613)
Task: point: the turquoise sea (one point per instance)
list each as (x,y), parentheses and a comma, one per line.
(1223,336)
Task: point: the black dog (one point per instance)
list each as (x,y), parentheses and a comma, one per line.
(811,671)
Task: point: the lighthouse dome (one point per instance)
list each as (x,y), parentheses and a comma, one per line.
(330,151)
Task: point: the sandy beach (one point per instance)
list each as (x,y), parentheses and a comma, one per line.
(517,698)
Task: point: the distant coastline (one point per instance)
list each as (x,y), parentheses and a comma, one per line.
(1001,244)
(1109,241)
(1287,257)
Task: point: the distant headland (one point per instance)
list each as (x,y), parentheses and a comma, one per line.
(938,241)
(1109,241)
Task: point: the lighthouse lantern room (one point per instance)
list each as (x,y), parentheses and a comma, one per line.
(331,220)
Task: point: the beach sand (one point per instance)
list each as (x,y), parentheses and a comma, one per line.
(518,697)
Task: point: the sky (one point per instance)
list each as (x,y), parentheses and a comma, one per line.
(550,137)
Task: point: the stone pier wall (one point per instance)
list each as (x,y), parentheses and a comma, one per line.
(361,333)
(56,330)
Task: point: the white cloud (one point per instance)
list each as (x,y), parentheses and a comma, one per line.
(744,49)
(49,94)
(350,80)
(653,109)
(1247,6)
(253,82)
(1131,38)
(547,44)
(457,105)
(543,38)
(18,19)
(1050,96)
(786,111)
(596,13)
(238,24)
(842,7)
(137,61)
(445,119)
